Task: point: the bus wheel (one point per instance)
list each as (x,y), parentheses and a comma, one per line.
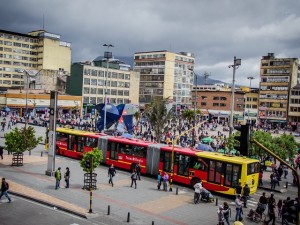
(132,167)
(194,181)
(57,151)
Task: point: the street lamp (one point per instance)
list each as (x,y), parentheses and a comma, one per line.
(107,55)
(31,74)
(236,64)
(195,104)
(250,78)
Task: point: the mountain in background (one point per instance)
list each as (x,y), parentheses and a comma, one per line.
(200,81)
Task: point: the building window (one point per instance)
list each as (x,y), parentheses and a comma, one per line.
(222,104)
(254,100)
(203,97)
(86,81)
(216,98)
(100,91)
(215,104)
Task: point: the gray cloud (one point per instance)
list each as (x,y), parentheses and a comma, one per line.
(212,29)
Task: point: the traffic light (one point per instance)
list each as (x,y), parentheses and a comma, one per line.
(210,116)
(88,163)
(244,139)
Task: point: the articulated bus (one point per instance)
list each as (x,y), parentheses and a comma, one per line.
(218,172)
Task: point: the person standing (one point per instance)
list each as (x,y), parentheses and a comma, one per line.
(271,206)
(138,170)
(4,190)
(238,189)
(57,178)
(165,181)
(67,177)
(220,215)
(260,181)
(246,193)
(159,180)
(111,173)
(1,152)
(238,207)
(133,178)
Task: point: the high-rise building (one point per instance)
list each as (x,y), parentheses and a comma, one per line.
(294,108)
(88,79)
(277,75)
(39,51)
(165,75)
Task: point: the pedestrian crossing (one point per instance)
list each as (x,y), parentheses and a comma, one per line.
(251,202)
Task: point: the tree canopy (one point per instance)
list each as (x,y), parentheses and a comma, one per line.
(97,158)
(21,140)
(158,115)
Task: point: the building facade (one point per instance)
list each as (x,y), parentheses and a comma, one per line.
(277,76)
(294,108)
(218,103)
(165,74)
(89,80)
(41,52)
(251,106)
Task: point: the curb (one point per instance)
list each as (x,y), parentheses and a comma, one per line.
(49,204)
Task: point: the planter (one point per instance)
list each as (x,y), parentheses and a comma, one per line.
(88,180)
(17,159)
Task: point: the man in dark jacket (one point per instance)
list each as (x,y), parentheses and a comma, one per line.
(246,193)
(111,174)
(4,189)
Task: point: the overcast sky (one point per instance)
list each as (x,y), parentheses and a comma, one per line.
(214,30)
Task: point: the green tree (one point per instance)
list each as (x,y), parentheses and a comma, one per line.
(21,140)
(137,116)
(285,146)
(158,115)
(97,158)
(231,141)
(188,114)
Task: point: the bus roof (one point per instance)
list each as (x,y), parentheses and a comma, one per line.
(226,158)
(179,149)
(132,141)
(77,132)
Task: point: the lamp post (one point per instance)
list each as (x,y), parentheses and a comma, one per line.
(107,55)
(32,74)
(236,64)
(250,78)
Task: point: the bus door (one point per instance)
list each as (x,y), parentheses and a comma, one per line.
(183,165)
(232,175)
(79,144)
(215,172)
(166,159)
(71,142)
(113,148)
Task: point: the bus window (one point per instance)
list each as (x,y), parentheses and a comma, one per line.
(80,143)
(70,142)
(125,149)
(183,165)
(215,171)
(139,151)
(61,136)
(91,142)
(232,174)
(252,168)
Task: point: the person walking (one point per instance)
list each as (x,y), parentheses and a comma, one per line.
(67,177)
(220,215)
(133,178)
(246,193)
(271,212)
(4,190)
(138,170)
(57,178)
(1,152)
(238,207)
(226,212)
(111,173)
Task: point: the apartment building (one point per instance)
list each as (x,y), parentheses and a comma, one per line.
(251,105)
(165,74)
(277,76)
(88,79)
(218,103)
(40,52)
(294,108)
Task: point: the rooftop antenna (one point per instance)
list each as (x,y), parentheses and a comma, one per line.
(43,22)
(206,75)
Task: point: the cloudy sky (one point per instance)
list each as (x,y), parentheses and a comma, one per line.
(214,30)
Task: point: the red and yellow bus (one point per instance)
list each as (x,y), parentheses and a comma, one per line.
(218,172)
